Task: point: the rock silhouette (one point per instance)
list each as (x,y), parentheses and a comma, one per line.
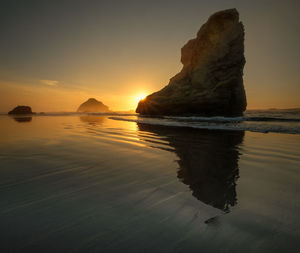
(93,105)
(208,161)
(211,80)
(21,109)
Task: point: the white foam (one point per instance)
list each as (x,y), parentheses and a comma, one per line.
(213,125)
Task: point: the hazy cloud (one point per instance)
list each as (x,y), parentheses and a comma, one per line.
(50,82)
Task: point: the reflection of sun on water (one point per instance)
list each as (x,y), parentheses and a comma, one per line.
(140,97)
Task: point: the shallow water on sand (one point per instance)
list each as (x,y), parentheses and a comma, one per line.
(93,184)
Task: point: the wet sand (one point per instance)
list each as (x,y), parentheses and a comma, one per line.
(93,184)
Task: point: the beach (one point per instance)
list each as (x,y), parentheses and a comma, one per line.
(105,183)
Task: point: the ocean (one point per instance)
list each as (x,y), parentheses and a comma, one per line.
(124,183)
(264,121)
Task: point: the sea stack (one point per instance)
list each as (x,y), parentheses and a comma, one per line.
(211,80)
(21,110)
(93,105)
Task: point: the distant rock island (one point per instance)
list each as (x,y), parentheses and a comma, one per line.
(211,80)
(21,109)
(93,105)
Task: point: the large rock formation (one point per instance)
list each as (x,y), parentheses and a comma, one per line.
(211,80)
(93,105)
(21,109)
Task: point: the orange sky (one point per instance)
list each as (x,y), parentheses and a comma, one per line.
(55,56)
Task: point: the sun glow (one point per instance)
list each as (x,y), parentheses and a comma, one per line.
(140,97)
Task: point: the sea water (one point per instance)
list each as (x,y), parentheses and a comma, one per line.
(125,183)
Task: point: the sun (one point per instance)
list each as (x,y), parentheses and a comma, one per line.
(140,97)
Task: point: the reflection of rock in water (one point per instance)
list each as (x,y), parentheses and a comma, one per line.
(22,119)
(208,161)
(92,119)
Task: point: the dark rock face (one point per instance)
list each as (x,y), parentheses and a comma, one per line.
(211,80)
(93,105)
(21,109)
